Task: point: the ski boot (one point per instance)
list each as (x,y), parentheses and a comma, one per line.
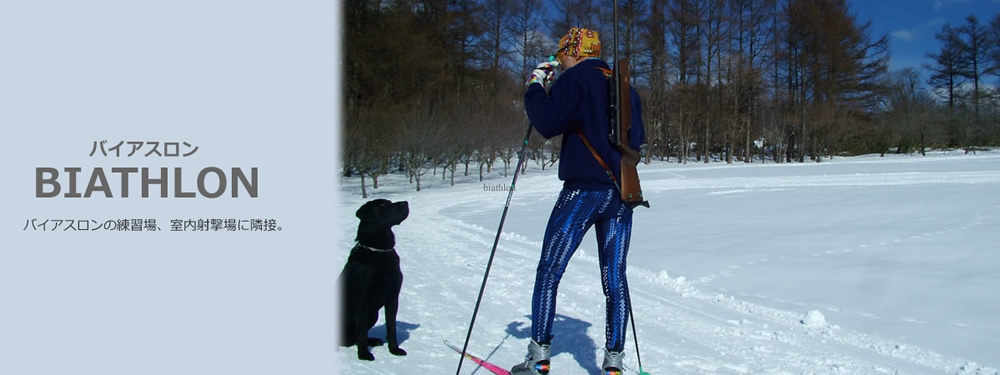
(537,362)
(613,363)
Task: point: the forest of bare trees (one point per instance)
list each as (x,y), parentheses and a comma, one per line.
(435,86)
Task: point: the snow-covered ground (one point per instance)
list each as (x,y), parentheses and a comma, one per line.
(861,265)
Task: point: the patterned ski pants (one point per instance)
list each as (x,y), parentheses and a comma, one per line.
(573,215)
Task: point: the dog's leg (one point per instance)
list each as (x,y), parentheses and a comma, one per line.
(391,309)
(372,319)
(361,339)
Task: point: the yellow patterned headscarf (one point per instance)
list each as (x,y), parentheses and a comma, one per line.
(580,42)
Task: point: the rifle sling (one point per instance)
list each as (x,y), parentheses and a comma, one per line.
(597,156)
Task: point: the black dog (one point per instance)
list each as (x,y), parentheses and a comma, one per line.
(371,279)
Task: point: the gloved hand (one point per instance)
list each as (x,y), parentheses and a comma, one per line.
(543,73)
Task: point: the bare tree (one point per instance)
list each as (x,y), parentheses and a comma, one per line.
(655,104)
(946,73)
(975,54)
(530,43)
(903,122)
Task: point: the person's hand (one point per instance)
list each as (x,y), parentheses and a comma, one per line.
(543,73)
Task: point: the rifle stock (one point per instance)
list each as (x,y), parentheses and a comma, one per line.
(631,191)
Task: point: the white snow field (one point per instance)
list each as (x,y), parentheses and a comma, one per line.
(857,265)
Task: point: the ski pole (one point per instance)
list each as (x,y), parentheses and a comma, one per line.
(635,336)
(496,241)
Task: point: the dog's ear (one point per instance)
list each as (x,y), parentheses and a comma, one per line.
(366,212)
(369,211)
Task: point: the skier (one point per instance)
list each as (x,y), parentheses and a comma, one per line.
(576,107)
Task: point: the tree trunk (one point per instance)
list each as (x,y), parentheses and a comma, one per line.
(364,192)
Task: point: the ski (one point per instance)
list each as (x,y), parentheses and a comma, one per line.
(479,361)
(497,369)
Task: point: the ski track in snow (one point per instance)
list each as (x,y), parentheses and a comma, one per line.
(683,328)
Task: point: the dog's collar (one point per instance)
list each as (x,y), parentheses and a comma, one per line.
(375,249)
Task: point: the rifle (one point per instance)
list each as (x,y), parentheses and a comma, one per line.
(621,121)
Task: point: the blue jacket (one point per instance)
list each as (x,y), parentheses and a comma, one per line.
(579,99)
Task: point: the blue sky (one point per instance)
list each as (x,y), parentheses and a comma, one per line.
(911,24)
